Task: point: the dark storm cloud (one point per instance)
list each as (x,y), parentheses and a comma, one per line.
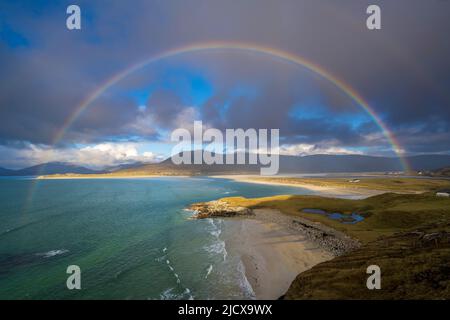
(403,70)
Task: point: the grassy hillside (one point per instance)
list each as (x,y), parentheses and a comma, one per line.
(406,235)
(414,265)
(384,214)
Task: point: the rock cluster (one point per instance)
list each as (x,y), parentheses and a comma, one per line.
(218,208)
(336,243)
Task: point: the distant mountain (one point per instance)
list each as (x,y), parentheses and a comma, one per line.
(441,172)
(48,168)
(5,172)
(297,164)
(124,166)
(429,162)
(288,165)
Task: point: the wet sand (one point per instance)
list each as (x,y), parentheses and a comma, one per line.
(273,255)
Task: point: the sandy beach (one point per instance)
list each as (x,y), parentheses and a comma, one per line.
(324,191)
(273,254)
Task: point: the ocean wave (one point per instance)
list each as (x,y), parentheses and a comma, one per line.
(208,271)
(217,248)
(244,284)
(169,294)
(215,227)
(188,293)
(52,253)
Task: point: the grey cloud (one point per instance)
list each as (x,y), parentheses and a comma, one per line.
(402,70)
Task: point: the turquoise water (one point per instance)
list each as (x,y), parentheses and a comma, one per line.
(131,238)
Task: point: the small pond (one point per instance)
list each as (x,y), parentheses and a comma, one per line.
(342,218)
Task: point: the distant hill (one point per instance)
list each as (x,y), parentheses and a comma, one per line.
(48,168)
(441,172)
(429,162)
(5,172)
(297,164)
(124,166)
(288,165)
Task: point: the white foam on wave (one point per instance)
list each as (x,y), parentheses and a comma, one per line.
(188,292)
(217,247)
(244,283)
(216,233)
(52,253)
(172,269)
(169,293)
(208,271)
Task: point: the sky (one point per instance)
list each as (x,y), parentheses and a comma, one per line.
(47,71)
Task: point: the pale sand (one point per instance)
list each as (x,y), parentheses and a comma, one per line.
(273,255)
(324,191)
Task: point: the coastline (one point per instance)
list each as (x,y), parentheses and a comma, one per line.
(331,191)
(273,256)
(274,247)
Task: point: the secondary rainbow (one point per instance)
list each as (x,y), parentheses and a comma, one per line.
(237,46)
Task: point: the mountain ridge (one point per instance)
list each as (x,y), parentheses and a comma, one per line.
(304,164)
(319,163)
(48,168)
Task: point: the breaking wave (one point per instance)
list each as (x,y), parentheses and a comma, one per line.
(52,253)
(208,271)
(218,247)
(244,284)
(170,294)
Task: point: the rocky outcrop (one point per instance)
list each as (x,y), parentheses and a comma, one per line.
(218,208)
(325,237)
(334,241)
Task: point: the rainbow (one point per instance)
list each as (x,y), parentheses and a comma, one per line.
(237,46)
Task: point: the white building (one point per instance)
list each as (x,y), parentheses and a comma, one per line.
(442,194)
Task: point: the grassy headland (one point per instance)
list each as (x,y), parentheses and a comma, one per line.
(384,214)
(407,235)
(414,265)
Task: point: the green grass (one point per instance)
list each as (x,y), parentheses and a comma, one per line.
(411,268)
(404,185)
(392,235)
(384,214)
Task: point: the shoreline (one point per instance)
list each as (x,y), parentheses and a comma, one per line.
(273,255)
(324,191)
(275,248)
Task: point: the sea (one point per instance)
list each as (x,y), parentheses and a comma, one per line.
(130,238)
